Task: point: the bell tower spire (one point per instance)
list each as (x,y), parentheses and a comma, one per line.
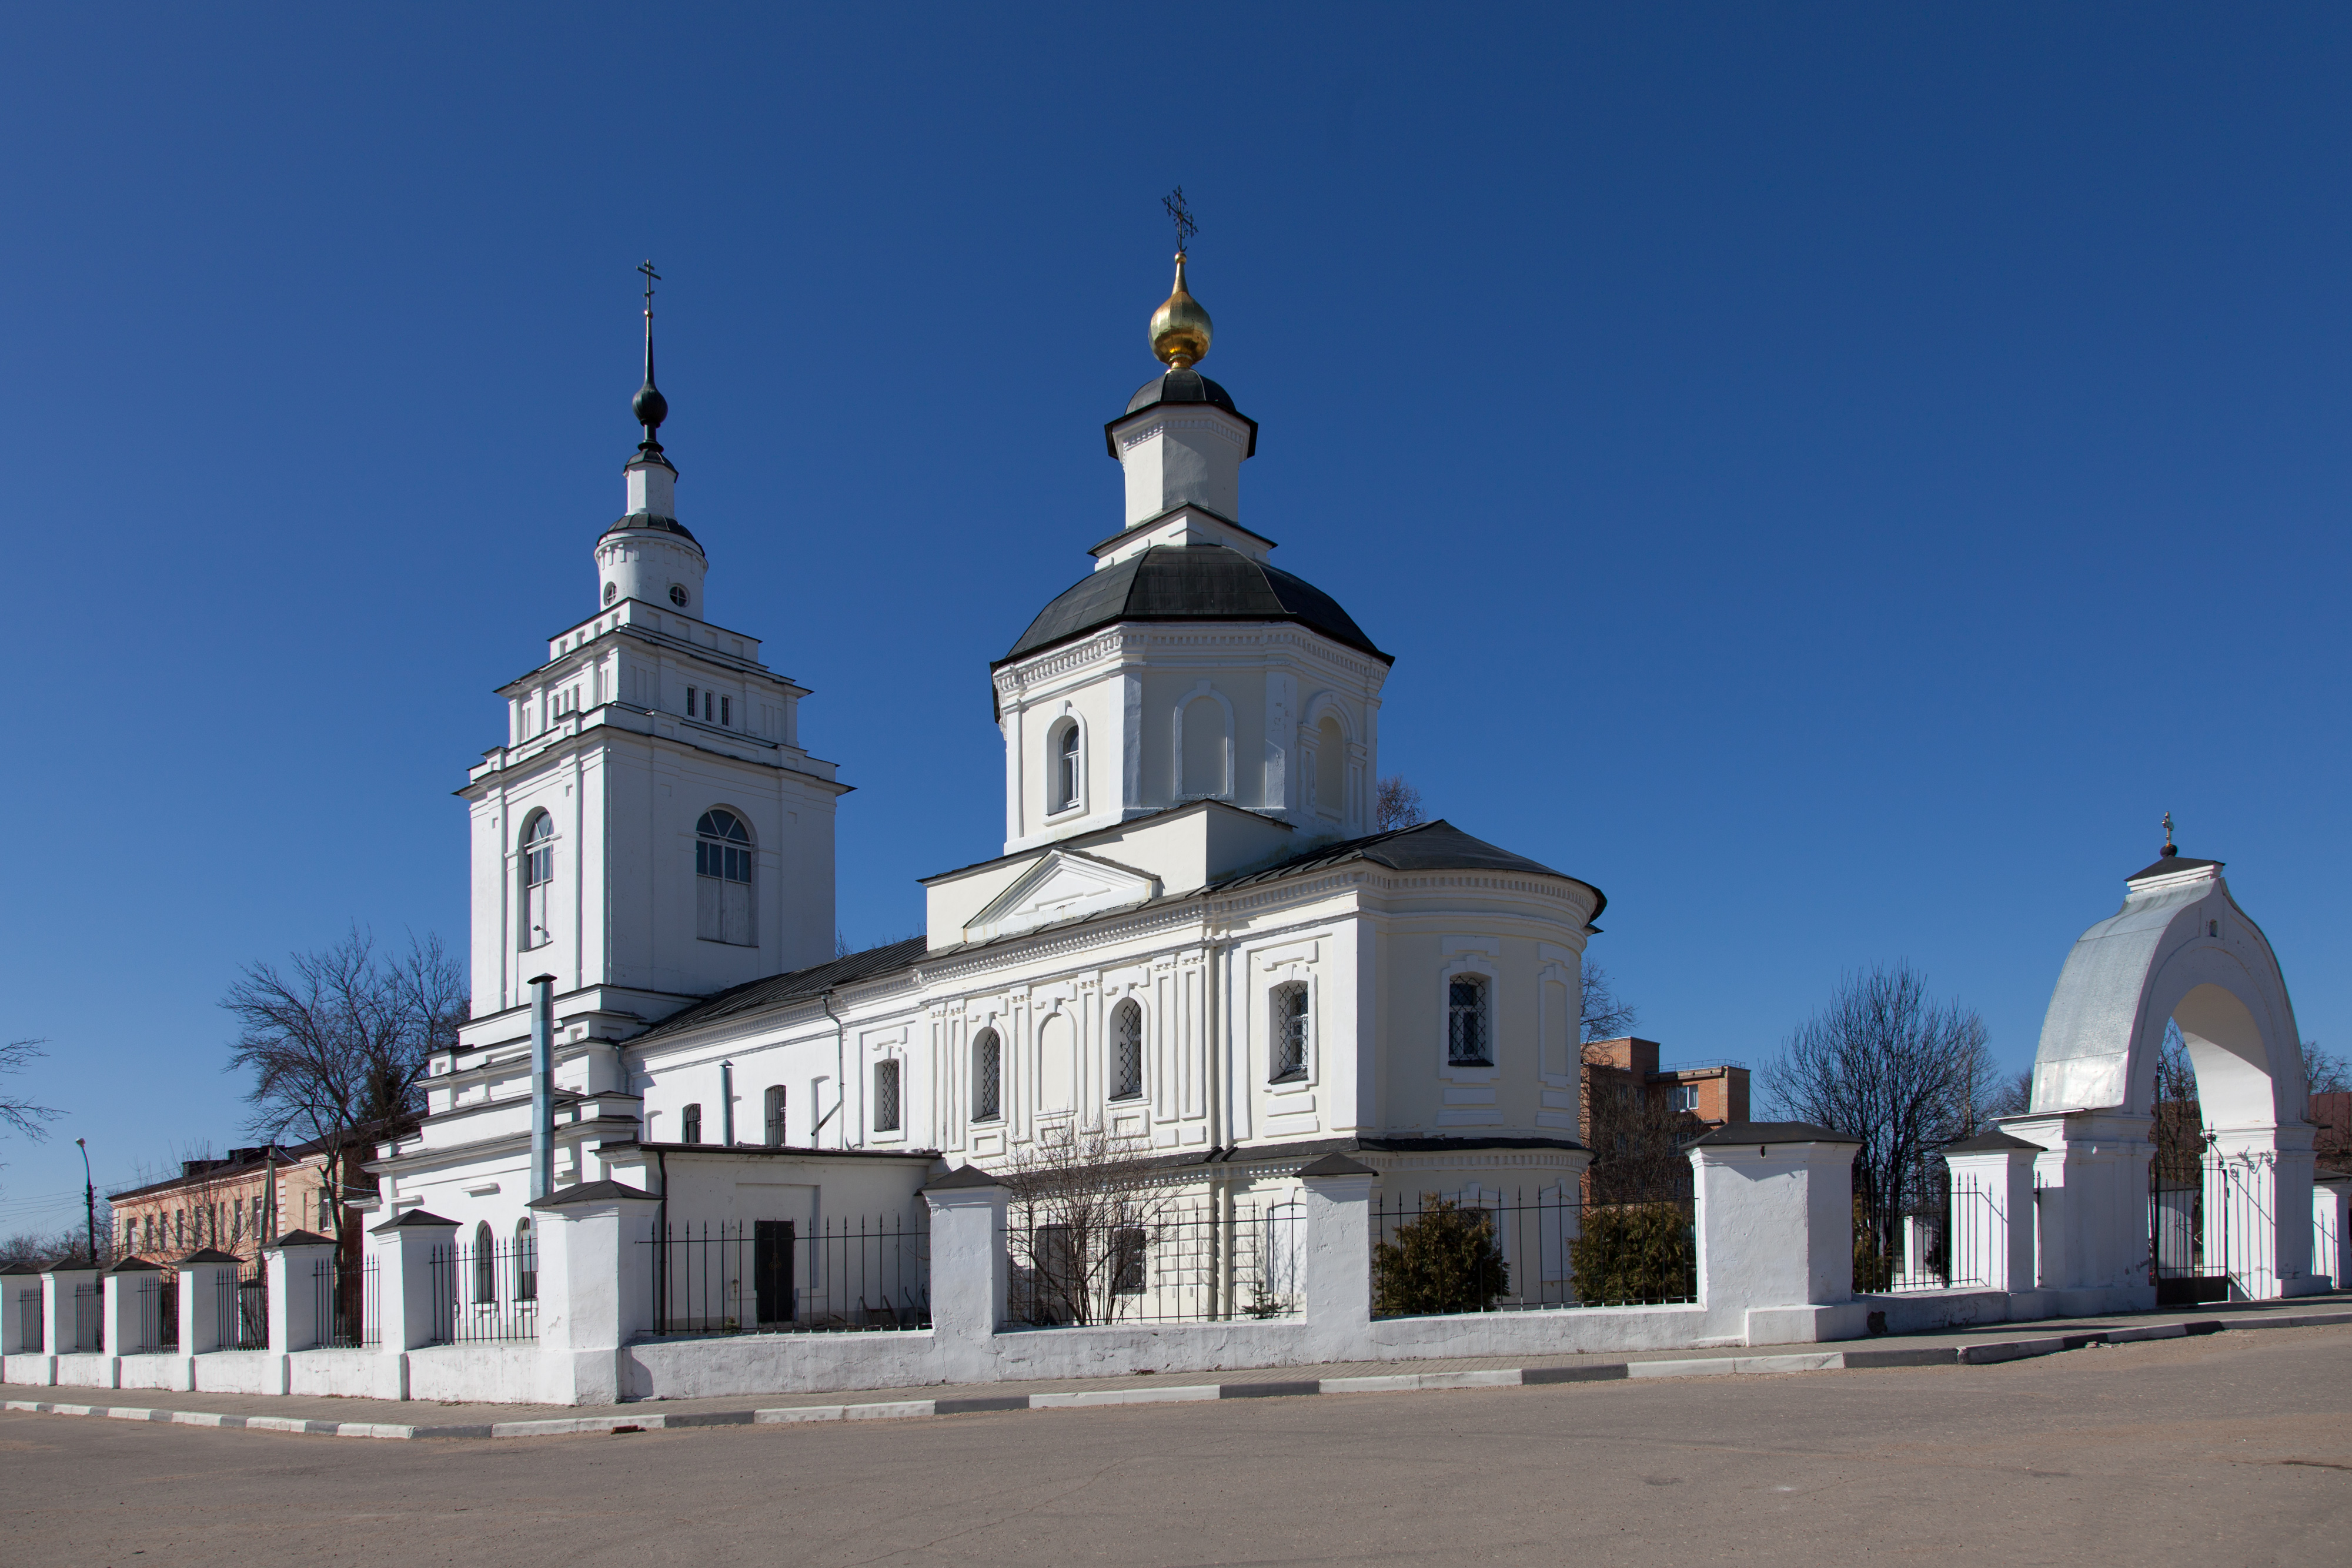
(648,554)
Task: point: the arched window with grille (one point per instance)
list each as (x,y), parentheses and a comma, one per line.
(722,879)
(1469,1035)
(537,878)
(485,1264)
(526,1261)
(689,1124)
(1126,1051)
(1292,1025)
(775,1116)
(987,1077)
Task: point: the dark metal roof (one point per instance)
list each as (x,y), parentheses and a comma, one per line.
(1988,1143)
(2168,865)
(644,521)
(1431,846)
(1180,386)
(589,1192)
(776,990)
(1189,582)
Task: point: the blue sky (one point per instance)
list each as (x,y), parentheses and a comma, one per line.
(1832,478)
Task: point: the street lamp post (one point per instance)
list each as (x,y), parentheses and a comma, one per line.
(90,1199)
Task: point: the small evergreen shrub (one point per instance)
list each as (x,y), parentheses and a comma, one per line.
(1443,1260)
(1632,1253)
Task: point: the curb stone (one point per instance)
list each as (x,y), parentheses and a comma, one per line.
(1862,1358)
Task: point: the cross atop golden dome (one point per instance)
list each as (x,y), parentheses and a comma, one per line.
(1180,328)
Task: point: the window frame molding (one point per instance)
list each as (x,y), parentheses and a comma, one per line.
(1069,721)
(1206,688)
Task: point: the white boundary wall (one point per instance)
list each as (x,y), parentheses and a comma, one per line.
(1774,1240)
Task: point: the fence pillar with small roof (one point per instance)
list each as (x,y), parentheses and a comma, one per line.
(1991,1241)
(292,1264)
(1775,1223)
(134,1325)
(970,1270)
(70,1309)
(594,1285)
(1339,1245)
(208,1302)
(2331,1228)
(20,1313)
(403,1249)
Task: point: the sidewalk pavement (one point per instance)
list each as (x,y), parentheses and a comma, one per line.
(409,1419)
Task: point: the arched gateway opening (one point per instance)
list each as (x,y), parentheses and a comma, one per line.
(2226,1211)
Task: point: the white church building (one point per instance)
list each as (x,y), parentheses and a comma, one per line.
(1191,939)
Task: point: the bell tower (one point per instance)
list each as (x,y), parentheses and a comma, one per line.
(652,829)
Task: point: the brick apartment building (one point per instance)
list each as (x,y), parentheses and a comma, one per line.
(1637,1116)
(225,1203)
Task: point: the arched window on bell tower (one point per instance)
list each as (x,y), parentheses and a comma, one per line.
(722,879)
(537,878)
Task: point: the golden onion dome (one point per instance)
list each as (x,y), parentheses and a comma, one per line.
(1180,328)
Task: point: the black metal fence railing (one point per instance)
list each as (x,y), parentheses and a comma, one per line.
(772,1276)
(484,1293)
(89,1315)
(1483,1252)
(1942,1244)
(25,1300)
(241,1307)
(156,1313)
(1142,1260)
(346,1303)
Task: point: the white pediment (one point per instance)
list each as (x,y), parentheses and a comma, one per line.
(1062,885)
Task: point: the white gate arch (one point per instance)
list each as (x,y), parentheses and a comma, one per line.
(2182,951)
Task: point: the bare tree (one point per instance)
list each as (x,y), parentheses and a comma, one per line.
(1637,1137)
(45,1247)
(31,1121)
(1605,1014)
(1398,805)
(2324,1072)
(2012,1096)
(338,1041)
(1082,1217)
(1883,1063)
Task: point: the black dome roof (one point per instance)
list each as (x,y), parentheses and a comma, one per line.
(1189,582)
(1181,386)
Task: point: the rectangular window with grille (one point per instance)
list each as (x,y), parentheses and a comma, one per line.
(885,1097)
(1129,1253)
(1467,1035)
(1291,1023)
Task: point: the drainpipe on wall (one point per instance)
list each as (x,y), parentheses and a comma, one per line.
(543,1086)
(727,1104)
(840,1068)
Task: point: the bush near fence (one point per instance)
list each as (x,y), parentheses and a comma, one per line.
(1636,1254)
(1445,1259)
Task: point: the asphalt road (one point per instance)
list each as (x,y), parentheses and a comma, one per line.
(2224,1450)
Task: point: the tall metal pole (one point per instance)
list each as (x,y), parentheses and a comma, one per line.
(90,1199)
(543,1086)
